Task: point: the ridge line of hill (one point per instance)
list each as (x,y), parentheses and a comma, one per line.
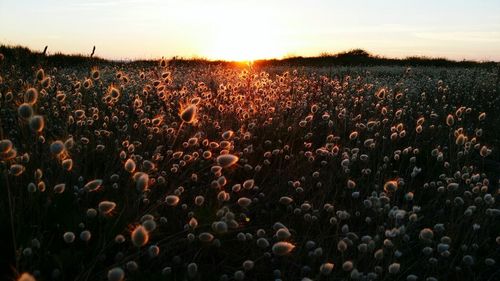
(356,57)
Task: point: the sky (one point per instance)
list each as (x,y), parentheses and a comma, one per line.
(254,29)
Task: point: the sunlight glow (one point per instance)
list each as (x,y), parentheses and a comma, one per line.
(244,41)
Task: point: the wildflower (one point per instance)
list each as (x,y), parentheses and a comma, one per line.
(25,111)
(129,165)
(285,200)
(391,186)
(482,116)
(26,276)
(426,234)
(198,200)
(59,188)
(95,74)
(57,147)
(394,268)
(69,237)
(192,270)
(40,74)
(188,114)
(326,268)
(142,180)
(139,236)
(227,160)
(248,265)
(85,235)
(5,145)
(172,200)
(244,202)
(205,237)
(93,185)
(450,120)
(106,207)
(282,248)
(347,266)
(116,274)
(248,184)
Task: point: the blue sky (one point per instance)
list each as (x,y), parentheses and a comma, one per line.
(231,29)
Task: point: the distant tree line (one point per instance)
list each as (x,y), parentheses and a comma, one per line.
(23,56)
(359,57)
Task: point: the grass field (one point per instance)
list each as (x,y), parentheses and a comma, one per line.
(164,171)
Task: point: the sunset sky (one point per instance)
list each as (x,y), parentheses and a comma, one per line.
(246,30)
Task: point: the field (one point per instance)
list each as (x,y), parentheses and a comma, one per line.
(156,171)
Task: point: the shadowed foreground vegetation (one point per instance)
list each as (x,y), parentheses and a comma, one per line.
(344,167)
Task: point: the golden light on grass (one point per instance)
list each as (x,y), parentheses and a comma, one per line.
(181,160)
(188,113)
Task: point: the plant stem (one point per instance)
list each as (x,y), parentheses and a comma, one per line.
(5,179)
(177,134)
(9,196)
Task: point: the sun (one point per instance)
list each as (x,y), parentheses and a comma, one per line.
(244,40)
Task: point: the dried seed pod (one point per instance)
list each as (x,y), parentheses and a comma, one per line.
(106,207)
(282,248)
(188,114)
(227,160)
(139,236)
(93,185)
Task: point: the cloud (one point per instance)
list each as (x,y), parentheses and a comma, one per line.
(111,3)
(462,36)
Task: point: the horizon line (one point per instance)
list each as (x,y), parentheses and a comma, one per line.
(284,57)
